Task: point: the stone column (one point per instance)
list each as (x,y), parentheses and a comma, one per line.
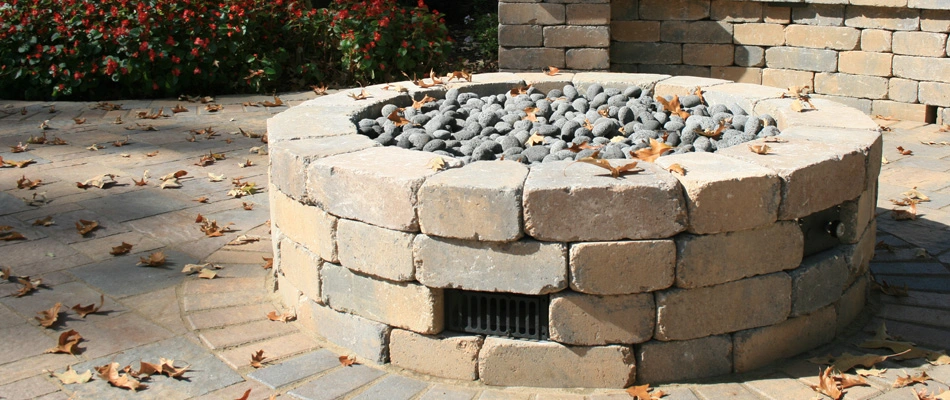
(570,34)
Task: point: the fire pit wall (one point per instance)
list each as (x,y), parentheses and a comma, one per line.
(645,274)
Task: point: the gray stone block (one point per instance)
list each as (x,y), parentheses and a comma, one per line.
(295,369)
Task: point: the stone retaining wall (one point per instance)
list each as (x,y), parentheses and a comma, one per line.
(646,273)
(883,57)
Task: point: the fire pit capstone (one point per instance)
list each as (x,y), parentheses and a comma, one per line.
(652,277)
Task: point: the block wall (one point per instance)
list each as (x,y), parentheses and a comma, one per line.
(883,57)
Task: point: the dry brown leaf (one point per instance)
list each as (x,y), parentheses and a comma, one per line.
(70,376)
(904,152)
(79,121)
(846,361)
(110,373)
(211,228)
(29,286)
(847,381)
(244,239)
(285,317)
(362,95)
(673,106)
(7,234)
(677,169)
(121,249)
(268,262)
(938,358)
(24,183)
(759,148)
(120,143)
(319,90)
(207,274)
(653,152)
(347,361)
(519,90)
(915,194)
(246,163)
(531,111)
(100,181)
(84,226)
(214,107)
(5,272)
(397,119)
(417,104)
(713,133)
(911,380)
(47,318)
(889,290)
(179,109)
(156,259)
(460,75)
(276,103)
(83,311)
(19,164)
(551,71)
(643,392)
(534,139)
(19,148)
(247,206)
(629,168)
(95,147)
(67,343)
(104,106)
(827,385)
(38,139)
(870,372)
(257,359)
(904,215)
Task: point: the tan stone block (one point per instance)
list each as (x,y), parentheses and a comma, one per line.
(685,85)
(588,14)
(684,314)
(403,305)
(819,281)
(552,191)
(758,347)
(301,268)
(587,59)
(708,54)
(922,68)
(879,3)
(893,19)
(934,93)
(289,160)
(508,362)
(610,268)
(818,60)
(589,320)
(822,37)
(635,31)
(521,59)
(859,255)
(866,141)
(902,90)
(819,14)
(857,214)
(725,194)
(826,114)
(307,225)
(743,94)
(876,40)
(377,185)
(576,36)
(520,35)
(759,34)
(375,251)
(738,74)
(851,303)
(784,78)
(924,44)
(480,201)
(815,175)
(531,13)
(776,14)
(864,63)
(901,111)
(750,56)
(863,86)
(706,260)
(735,11)
(935,20)
(583,80)
(659,362)
(525,266)
(862,105)
(365,338)
(444,356)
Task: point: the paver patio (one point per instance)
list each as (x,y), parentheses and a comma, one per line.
(215,325)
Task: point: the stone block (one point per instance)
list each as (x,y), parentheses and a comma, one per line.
(685,85)
(818,14)
(784,78)
(819,281)
(677,70)
(298,123)
(725,194)
(935,20)
(901,111)
(822,37)
(635,31)
(402,305)
(817,60)
(878,3)
(520,35)
(758,347)
(365,338)
(776,14)
(377,185)
(531,13)
(674,31)
(521,59)
(601,203)
(863,86)
(743,94)
(301,268)
(646,53)
(929,4)
(856,214)
(866,141)
(750,56)
(851,303)
(815,176)
(709,32)
(525,266)
(684,314)
(892,19)
(290,159)
(613,268)
(934,93)
(859,254)
(922,68)
(480,201)
(583,80)
(708,54)
(444,356)
(576,36)
(665,10)
(590,320)
(862,105)
(664,361)
(864,63)
(588,14)
(760,34)
(923,44)
(307,225)
(375,251)
(706,260)
(624,10)
(738,74)
(587,59)
(902,90)
(827,114)
(735,11)
(876,40)
(502,362)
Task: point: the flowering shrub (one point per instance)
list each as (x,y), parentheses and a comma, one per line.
(113,48)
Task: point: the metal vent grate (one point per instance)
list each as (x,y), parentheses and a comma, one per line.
(822,230)
(499,314)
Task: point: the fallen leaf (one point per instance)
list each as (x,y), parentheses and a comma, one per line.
(152,154)
(67,343)
(5,271)
(104,106)
(84,226)
(519,90)
(215,178)
(938,358)
(203,199)
(551,71)
(110,373)
(847,381)
(870,372)
(673,106)
(83,311)
(193,268)
(903,215)
(38,139)
(531,111)
(914,194)
(460,75)
(319,90)
(19,148)
(653,152)
(417,104)
(285,317)
(211,228)
(904,152)
(397,119)
(44,125)
(170,184)
(534,139)
(362,95)
(759,148)
(248,206)
(121,249)
(910,380)
(47,318)
(677,169)
(79,121)
(7,234)
(24,183)
(244,239)
(70,376)
(213,107)
(29,285)
(583,146)
(19,164)
(347,361)
(713,133)
(630,168)
(846,361)
(156,259)
(258,358)
(179,109)
(169,369)
(95,147)
(889,290)
(205,160)
(140,127)
(57,141)
(100,181)
(268,263)
(207,274)
(643,392)
(120,143)
(827,385)
(146,369)
(246,163)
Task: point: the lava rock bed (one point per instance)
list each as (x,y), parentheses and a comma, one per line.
(616,122)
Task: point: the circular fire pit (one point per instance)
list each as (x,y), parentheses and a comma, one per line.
(550,276)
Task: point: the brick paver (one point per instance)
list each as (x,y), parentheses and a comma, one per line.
(214,325)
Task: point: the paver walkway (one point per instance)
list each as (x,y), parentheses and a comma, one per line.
(215,325)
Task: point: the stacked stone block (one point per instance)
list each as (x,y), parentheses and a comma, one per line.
(572,34)
(369,243)
(882,57)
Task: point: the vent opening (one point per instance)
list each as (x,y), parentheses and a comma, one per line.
(497,314)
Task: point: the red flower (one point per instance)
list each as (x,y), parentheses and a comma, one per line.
(197,70)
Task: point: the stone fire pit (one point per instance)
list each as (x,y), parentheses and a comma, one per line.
(652,277)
